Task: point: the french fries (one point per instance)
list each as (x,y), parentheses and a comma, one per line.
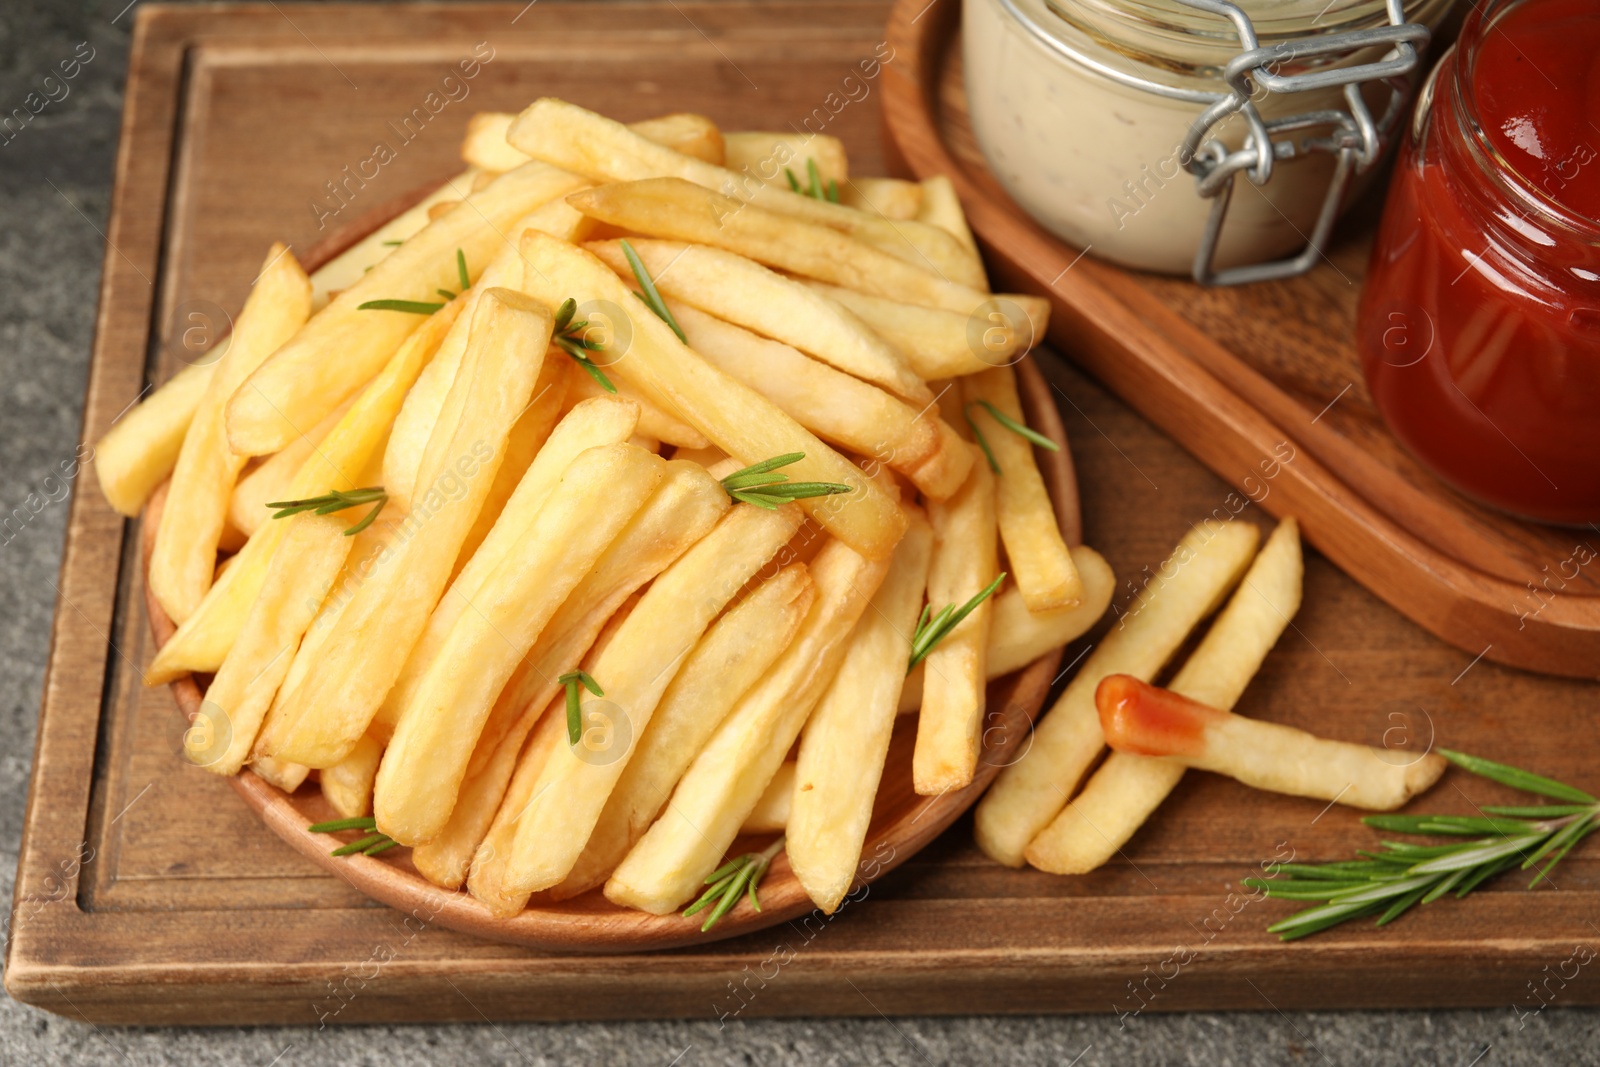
(1127,788)
(676,517)
(1018,636)
(653,421)
(184,556)
(439,726)
(141,448)
(939,343)
(347,785)
(965,561)
(1143,720)
(893,198)
(726,780)
(202,641)
(747,294)
(732,656)
(683,211)
(736,418)
(342,346)
(635,670)
(847,738)
(942,208)
(765,155)
(834,405)
(273,478)
(771,813)
(486,148)
(590,424)
(349,266)
(1041,566)
(326,715)
(604,151)
(1186,588)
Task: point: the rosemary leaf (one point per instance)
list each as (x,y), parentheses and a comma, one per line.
(461,270)
(338,500)
(931,632)
(1517,778)
(415,307)
(650,296)
(572,680)
(1018,428)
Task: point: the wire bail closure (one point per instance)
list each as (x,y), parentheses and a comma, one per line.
(1355,136)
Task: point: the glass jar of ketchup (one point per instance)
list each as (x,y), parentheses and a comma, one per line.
(1479,326)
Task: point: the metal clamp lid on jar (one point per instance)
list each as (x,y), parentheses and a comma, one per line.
(1356,137)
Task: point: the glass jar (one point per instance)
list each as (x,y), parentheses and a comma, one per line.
(1479,325)
(1083,109)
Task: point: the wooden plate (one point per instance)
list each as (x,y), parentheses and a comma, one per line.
(1234,374)
(902,821)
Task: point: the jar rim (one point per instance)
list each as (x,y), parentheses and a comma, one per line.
(1475,30)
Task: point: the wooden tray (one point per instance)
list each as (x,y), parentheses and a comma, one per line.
(1235,373)
(147,893)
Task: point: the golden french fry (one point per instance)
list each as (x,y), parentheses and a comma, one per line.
(486,879)
(414,426)
(141,448)
(634,670)
(834,405)
(591,424)
(732,657)
(185,553)
(1018,636)
(938,343)
(726,780)
(347,785)
(273,478)
(303,569)
(941,207)
(485,145)
(735,417)
(966,561)
(844,746)
(765,155)
(893,198)
(771,813)
(684,211)
(439,726)
(1141,719)
(677,516)
(747,294)
(1185,589)
(350,266)
(528,435)
(1127,789)
(323,718)
(202,641)
(605,151)
(342,346)
(1041,566)
(280,773)
(653,422)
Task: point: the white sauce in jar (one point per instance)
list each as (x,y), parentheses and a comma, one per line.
(1098,163)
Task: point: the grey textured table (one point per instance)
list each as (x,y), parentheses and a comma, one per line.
(55,184)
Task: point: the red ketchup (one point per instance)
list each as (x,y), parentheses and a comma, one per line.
(1479,326)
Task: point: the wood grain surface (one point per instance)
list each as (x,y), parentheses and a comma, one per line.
(1233,372)
(148,893)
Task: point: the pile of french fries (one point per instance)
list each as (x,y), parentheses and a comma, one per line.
(592,513)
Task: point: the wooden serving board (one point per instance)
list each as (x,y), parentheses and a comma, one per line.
(147,892)
(1235,374)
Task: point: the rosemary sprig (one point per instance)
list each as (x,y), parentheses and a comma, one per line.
(1009,423)
(759,484)
(813,187)
(369,845)
(650,295)
(394,244)
(983,442)
(571,680)
(337,500)
(1389,881)
(736,878)
(415,307)
(931,630)
(572,339)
